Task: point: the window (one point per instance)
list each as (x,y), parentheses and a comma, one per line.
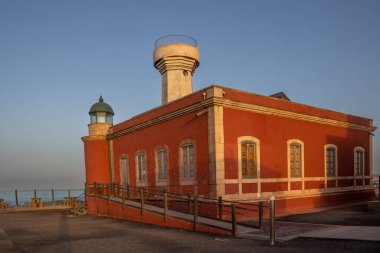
(331,161)
(162,164)
(295,159)
(359,161)
(248,159)
(124,170)
(93,118)
(109,118)
(187,160)
(141,167)
(248,148)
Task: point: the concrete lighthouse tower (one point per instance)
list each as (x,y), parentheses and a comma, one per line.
(96,145)
(176,57)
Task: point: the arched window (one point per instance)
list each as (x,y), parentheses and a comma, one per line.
(187,160)
(359,161)
(124,170)
(331,165)
(162,164)
(249,157)
(295,158)
(141,174)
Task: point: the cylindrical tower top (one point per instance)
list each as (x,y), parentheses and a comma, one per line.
(175,39)
(176,57)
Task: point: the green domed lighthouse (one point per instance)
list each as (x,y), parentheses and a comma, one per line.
(101,118)
(101,112)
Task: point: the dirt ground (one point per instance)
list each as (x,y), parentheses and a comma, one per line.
(58,231)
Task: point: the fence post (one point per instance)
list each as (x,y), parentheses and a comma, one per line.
(220,207)
(233,219)
(35,193)
(127,191)
(189,202)
(272,224)
(96,189)
(142,200)
(165,206)
(261,212)
(85,194)
(52,197)
(195,210)
(16,197)
(122,197)
(108,193)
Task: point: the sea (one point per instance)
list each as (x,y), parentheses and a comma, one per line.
(24,196)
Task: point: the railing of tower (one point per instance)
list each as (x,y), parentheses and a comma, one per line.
(174,39)
(233,212)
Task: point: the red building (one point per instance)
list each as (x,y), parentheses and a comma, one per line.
(224,142)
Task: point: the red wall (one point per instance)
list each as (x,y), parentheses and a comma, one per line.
(170,133)
(274,132)
(96,161)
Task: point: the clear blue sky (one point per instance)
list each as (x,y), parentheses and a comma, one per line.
(57,56)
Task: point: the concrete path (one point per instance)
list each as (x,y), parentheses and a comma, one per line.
(363,233)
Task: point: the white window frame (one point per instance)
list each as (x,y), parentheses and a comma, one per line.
(158,150)
(301,178)
(124,174)
(358,148)
(138,181)
(329,146)
(256,179)
(193,180)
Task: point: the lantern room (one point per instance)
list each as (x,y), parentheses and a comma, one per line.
(101,112)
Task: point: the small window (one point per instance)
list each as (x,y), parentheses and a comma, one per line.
(248,160)
(93,118)
(101,117)
(188,163)
(141,167)
(162,164)
(124,170)
(359,161)
(331,161)
(109,118)
(295,160)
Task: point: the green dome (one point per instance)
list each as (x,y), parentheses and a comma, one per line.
(101,107)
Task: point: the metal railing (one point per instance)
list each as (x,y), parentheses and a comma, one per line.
(175,39)
(40,198)
(232,212)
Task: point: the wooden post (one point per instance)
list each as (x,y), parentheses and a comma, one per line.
(195,210)
(189,202)
(233,219)
(272,222)
(165,206)
(16,197)
(108,193)
(142,200)
(85,194)
(96,189)
(122,197)
(220,207)
(52,197)
(35,193)
(261,212)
